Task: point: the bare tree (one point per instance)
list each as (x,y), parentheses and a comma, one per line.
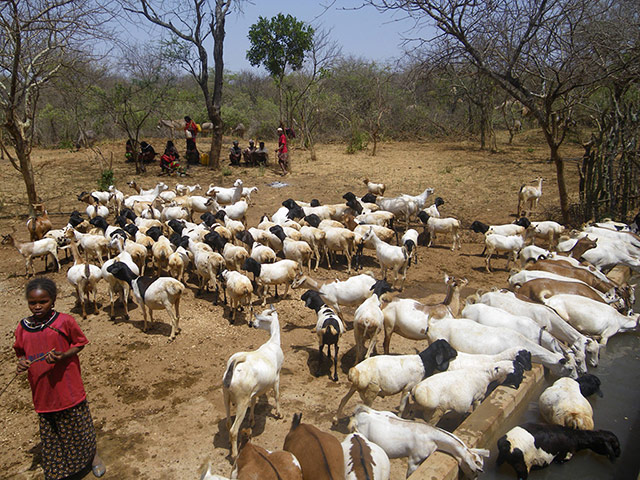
(40,39)
(192,23)
(536,50)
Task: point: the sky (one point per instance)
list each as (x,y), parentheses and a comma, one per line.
(360,32)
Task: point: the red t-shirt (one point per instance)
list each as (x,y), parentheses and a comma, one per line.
(54,386)
(191,126)
(282,143)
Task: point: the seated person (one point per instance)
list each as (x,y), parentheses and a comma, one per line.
(248,152)
(261,155)
(235,154)
(147,153)
(171,148)
(128,152)
(169,164)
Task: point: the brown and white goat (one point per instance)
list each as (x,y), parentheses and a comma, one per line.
(40,223)
(256,462)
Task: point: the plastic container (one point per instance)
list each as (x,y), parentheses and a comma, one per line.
(204,159)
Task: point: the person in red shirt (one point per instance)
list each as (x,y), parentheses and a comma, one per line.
(191,131)
(47,345)
(283,153)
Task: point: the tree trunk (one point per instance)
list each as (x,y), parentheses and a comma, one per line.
(216,141)
(26,168)
(562,187)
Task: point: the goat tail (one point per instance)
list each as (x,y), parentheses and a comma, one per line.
(297,418)
(471,299)
(175,289)
(87,271)
(578,421)
(228,375)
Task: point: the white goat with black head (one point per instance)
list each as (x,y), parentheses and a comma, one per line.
(329,327)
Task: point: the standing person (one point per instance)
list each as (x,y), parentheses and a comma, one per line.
(47,345)
(283,155)
(191,131)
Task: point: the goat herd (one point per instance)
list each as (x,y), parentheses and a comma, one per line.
(559,311)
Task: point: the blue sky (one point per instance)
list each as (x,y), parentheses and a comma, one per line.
(362,32)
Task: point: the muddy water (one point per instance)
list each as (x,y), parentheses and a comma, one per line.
(618,411)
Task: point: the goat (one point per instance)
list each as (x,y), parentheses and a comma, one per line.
(40,223)
(251,374)
(234,256)
(507,230)
(410,241)
(152,293)
(441,225)
(539,289)
(563,404)
(529,195)
(410,318)
(283,271)
(385,375)
(238,288)
(375,188)
(30,250)
(462,391)
(316,239)
(350,292)
(405,438)
(364,459)
(496,317)
(121,287)
(207,264)
(339,240)
(329,327)
(592,318)
(96,244)
(256,462)
(179,260)
(535,446)
(300,251)
(433,211)
(368,319)
(546,230)
(585,349)
(390,257)
(500,243)
(319,453)
(226,196)
(84,277)
(468,336)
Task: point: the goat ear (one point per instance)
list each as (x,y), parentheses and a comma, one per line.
(271,307)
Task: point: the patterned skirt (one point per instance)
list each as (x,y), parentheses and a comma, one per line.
(68,441)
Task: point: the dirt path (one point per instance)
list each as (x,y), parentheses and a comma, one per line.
(158,406)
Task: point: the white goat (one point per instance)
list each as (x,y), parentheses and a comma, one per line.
(350,292)
(496,243)
(234,256)
(410,241)
(98,245)
(30,250)
(368,320)
(390,257)
(461,391)
(591,317)
(227,196)
(316,238)
(281,272)
(251,374)
(84,277)
(117,286)
(238,289)
(153,293)
(178,263)
(563,404)
(262,253)
(405,438)
(529,196)
(585,349)
(375,188)
(385,375)
(468,336)
(496,317)
(441,225)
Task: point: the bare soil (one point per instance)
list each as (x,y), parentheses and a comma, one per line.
(158,406)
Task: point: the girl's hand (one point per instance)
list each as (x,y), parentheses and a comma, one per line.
(23,365)
(54,356)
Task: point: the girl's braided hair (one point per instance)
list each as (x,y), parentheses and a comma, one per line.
(42,283)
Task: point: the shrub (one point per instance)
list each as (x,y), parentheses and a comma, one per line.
(105,180)
(358,141)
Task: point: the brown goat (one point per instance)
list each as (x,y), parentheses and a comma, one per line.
(40,223)
(542,288)
(565,269)
(256,462)
(319,453)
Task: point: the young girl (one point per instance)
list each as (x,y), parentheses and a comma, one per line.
(47,345)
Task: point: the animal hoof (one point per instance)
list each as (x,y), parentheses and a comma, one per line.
(335,421)
(335,378)
(126,317)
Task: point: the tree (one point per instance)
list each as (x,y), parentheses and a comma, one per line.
(141,92)
(191,25)
(279,44)
(40,40)
(536,50)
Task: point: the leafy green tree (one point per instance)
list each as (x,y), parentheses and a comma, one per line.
(279,44)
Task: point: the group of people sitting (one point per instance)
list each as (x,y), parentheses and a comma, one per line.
(252,155)
(169,160)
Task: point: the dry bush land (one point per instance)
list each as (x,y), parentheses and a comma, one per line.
(158,406)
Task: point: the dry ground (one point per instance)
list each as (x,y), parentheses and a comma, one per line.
(158,406)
